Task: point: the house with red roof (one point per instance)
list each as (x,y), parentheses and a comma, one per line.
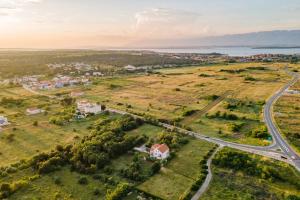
(160,151)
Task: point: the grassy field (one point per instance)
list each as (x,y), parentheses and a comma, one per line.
(287,116)
(175,178)
(227,184)
(21,139)
(169,93)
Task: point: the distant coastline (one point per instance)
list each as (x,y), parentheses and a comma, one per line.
(277,47)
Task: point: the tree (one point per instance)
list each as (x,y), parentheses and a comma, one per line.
(155,167)
(35,123)
(67,101)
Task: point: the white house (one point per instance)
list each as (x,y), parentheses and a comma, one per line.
(86,107)
(97,74)
(33,111)
(130,68)
(160,151)
(3,121)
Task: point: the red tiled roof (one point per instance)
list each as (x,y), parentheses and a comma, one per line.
(161,147)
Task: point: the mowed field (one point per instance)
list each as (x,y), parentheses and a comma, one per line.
(287,116)
(169,93)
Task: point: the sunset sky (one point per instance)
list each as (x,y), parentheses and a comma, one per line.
(120,23)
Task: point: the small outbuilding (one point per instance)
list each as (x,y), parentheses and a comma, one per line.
(3,121)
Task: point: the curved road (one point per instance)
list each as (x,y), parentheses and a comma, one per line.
(279,141)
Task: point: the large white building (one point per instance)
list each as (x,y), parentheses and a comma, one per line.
(3,121)
(160,151)
(86,107)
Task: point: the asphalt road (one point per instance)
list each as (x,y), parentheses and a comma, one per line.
(279,141)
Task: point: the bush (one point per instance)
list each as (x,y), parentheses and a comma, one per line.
(260,132)
(249,78)
(120,191)
(96,192)
(83,181)
(155,167)
(57,180)
(188,113)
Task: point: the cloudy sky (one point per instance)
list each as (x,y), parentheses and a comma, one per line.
(117,23)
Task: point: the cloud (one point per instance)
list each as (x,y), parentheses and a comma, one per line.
(8,7)
(165,23)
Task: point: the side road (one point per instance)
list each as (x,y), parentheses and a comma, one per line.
(208,178)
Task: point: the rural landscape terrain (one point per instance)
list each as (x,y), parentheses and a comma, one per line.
(84,124)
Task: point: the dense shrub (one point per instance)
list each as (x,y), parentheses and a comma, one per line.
(11,102)
(188,112)
(260,132)
(83,181)
(120,191)
(239,161)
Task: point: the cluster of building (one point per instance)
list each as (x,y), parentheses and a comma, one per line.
(25,79)
(57,82)
(74,65)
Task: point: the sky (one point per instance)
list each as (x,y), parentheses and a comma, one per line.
(121,23)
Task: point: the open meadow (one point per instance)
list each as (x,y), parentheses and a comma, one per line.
(223,101)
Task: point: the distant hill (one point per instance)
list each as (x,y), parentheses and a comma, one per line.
(279,38)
